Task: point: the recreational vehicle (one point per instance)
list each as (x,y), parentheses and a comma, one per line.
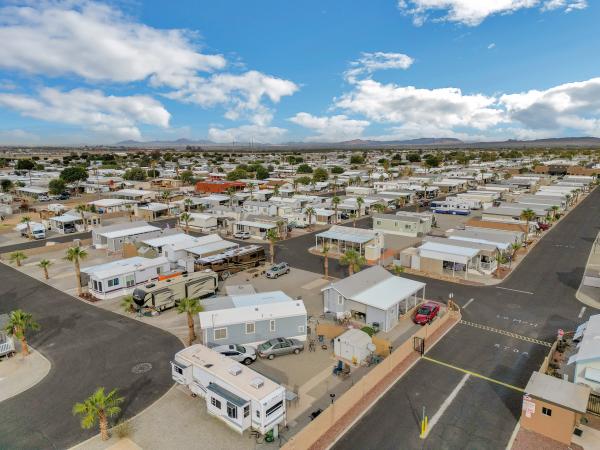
(232,261)
(449,207)
(164,294)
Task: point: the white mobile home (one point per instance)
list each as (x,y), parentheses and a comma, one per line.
(587,358)
(112,237)
(120,277)
(236,394)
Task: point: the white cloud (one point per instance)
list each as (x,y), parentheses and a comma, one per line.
(330,129)
(247,133)
(443,108)
(491,46)
(371,62)
(17,136)
(107,115)
(473,12)
(574,106)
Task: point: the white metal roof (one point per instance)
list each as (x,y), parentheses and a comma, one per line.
(124,266)
(253,313)
(349,234)
(589,347)
(130,231)
(260,298)
(387,293)
(212,247)
(447,252)
(108,202)
(250,223)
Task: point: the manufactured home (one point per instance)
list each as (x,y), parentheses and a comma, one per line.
(403,223)
(242,398)
(112,237)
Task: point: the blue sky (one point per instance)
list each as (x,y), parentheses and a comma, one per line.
(271,71)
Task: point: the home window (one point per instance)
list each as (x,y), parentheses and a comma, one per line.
(216,403)
(231,410)
(129,280)
(300,328)
(272,326)
(113,282)
(379,222)
(546,411)
(220,333)
(340,300)
(250,328)
(246,410)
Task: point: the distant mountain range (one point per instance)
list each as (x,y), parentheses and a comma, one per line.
(358,143)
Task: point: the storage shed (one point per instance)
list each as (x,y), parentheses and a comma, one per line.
(352,346)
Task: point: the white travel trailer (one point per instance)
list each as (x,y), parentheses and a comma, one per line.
(234,393)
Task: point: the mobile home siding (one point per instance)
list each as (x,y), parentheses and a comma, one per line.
(287,327)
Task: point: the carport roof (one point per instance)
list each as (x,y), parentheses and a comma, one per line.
(346,234)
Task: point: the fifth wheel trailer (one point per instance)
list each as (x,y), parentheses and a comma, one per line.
(164,294)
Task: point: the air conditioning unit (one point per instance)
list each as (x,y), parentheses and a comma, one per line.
(257,382)
(235,370)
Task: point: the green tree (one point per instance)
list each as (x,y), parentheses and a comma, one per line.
(76,255)
(25,164)
(310,212)
(19,322)
(191,307)
(337,170)
(354,260)
(272,236)
(135,174)
(187,177)
(74,174)
(413,157)
(305,181)
(6,185)
(57,186)
(98,408)
(304,168)
(44,264)
(27,220)
(378,207)
(82,209)
(335,201)
(237,174)
(152,173)
(357,159)
(17,257)
(320,174)
(325,252)
(185,218)
(360,202)
(128,304)
(527,215)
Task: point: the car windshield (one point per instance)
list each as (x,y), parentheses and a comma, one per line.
(423,310)
(264,346)
(240,349)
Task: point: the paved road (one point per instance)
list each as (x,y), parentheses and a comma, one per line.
(88,347)
(536,300)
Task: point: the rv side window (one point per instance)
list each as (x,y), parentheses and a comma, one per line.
(231,410)
(178,369)
(216,403)
(246,410)
(113,282)
(272,327)
(257,414)
(220,333)
(250,328)
(274,408)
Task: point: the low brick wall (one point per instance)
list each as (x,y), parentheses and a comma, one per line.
(333,421)
(48,248)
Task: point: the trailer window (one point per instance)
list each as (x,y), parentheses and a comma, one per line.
(220,333)
(216,403)
(272,326)
(274,408)
(246,410)
(231,410)
(250,328)
(113,282)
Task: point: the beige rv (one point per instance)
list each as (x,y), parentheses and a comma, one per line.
(165,294)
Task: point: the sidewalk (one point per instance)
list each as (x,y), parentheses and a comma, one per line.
(590,295)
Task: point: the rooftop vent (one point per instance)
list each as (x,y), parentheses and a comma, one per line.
(208,366)
(257,382)
(235,370)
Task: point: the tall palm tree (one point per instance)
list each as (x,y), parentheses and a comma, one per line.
(81,209)
(379,208)
(335,201)
(187,203)
(310,212)
(97,408)
(359,202)
(251,187)
(191,307)
(231,194)
(514,248)
(17,257)
(527,215)
(27,220)
(44,264)
(554,210)
(335,180)
(185,218)
(272,237)
(130,211)
(354,260)
(280,226)
(325,253)
(19,322)
(166,196)
(76,255)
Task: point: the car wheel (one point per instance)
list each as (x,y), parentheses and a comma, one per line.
(271,356)
(296,351)
(288,271)
(248,361)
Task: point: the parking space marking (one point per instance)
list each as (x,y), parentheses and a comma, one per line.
(468,303)
(474,374)
(506,333)
(582,312)
(440,412)
(514,290)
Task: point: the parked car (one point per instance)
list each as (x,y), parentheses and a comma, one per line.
(43,198)
(344,216)
(277,270)
(64,196)
(241,235)
(426,313)
(244,354)
(278,347)
(543,226)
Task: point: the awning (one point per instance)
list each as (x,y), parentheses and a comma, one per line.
(346,237)
(225,394)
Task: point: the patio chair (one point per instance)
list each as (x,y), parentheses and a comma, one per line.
(337,369)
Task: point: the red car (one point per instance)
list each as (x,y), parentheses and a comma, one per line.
(426,313)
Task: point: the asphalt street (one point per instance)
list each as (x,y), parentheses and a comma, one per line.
(88,347)
(534,302)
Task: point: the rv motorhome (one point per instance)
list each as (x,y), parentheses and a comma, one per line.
(232,261)
(165,294)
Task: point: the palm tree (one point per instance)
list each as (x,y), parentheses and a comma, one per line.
(44,264)
(514,247)
(276,190)
(76,255)
(353,216)
(231,194)
(400,202)
(397,269)
(335,180)
(17,257)
(18,323)
(325,253)
(27,220)
(185,218)
(359,202)
(310,212)
(251,187)
(166,196)
(97,408)
(188,202)
(500,259)
(295,184)
(280,226)
(527,215)
(353,260)
(81,209)
(128,304)
(130,211)
(272,237)
(335,201)
(379,208)
(554,210)
(190,306)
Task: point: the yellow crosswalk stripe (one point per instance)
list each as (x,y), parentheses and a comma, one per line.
(506,333)
(475,374)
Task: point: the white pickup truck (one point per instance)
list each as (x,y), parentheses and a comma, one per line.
(38,231)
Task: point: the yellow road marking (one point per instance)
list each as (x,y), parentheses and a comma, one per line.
(475,374)
(506,333)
